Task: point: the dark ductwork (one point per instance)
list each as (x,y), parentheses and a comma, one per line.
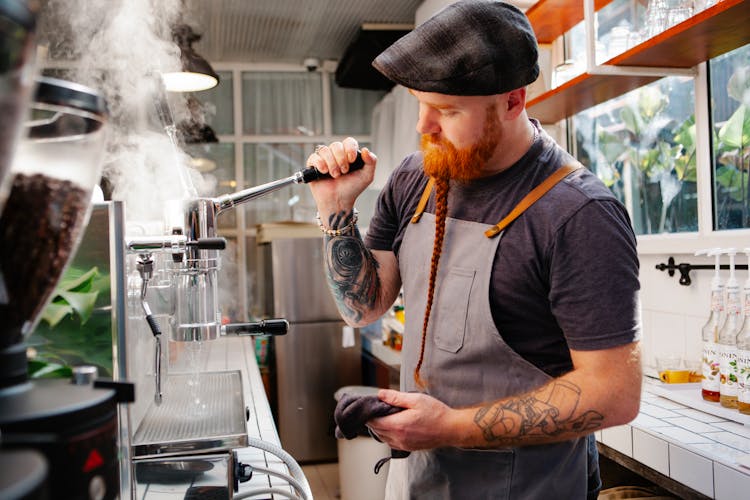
(355,68)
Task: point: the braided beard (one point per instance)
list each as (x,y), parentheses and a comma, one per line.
(443,160)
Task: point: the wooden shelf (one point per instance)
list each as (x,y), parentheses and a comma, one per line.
(552,18)
(580,93)
(710,33)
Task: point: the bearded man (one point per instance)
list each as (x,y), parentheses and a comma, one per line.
(518,267)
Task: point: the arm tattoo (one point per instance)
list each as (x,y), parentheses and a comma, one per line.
(352,270)
(536,416)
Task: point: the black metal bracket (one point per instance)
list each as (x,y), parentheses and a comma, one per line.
(685,269)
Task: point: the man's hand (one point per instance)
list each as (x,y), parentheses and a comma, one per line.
(425,422)
(336,196)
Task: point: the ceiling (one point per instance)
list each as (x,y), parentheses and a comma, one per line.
(287,31)
(240,31)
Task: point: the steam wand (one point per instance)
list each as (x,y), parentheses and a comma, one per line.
(145,268)
(305,176)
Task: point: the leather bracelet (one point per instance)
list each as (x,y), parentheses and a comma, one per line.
(348,229)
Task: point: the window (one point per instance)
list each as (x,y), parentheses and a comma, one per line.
(282,103)
(219,103)
(267,162)
(642,145)
(730,148)
(352,109)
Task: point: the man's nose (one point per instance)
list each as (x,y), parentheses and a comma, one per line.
(427,123)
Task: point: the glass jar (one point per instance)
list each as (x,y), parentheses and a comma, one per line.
(17,46)
(55,167)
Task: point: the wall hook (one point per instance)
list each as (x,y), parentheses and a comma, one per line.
(685,269)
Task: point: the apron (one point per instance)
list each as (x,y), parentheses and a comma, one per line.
(466,362)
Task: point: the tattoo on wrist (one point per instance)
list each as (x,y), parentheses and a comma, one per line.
(548,411)
(337,220)
(352,270)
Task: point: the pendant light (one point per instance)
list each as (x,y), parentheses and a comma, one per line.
(197,74)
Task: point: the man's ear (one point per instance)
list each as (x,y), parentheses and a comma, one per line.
(516,102)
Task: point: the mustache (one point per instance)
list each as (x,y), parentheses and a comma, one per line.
(435,141)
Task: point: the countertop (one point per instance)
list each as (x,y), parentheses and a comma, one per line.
(699,444)
(238,353)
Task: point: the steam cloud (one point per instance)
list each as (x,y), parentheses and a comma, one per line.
(120,47)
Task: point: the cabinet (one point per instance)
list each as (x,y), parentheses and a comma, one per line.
(709,33)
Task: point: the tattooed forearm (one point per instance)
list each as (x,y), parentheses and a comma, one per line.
(352,271)
(537,416)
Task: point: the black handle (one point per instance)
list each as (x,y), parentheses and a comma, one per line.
(209,243)
(311,174)
(124,391)
(278,326)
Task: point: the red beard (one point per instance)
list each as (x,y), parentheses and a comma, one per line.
(443,160)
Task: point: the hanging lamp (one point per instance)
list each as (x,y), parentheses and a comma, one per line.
(197,74)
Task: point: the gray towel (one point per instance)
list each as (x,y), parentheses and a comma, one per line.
(351,416)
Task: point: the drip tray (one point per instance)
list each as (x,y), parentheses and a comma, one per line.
(198,413)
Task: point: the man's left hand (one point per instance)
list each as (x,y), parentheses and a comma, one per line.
(425,422)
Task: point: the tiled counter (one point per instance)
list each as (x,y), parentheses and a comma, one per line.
(702,451)
(239,354)
(707,452)
(231,354)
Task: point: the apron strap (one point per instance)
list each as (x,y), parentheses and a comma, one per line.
(423,201)
(532,198)
(525,203)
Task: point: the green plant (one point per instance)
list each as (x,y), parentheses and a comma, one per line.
(733,151)
(75,328)
(656,153)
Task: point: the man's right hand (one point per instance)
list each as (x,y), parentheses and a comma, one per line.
(337,195)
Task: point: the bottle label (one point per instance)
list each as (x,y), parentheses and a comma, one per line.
(717,301)
(710,363)
(734,308)
(743,376)
(728,370)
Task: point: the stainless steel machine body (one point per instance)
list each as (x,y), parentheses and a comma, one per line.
(194,416)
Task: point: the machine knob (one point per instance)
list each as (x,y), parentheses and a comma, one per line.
(241,473)
(84,374)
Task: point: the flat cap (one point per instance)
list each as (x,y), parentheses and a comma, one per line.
(471,47)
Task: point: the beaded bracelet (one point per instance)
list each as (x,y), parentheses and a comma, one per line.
(348,229)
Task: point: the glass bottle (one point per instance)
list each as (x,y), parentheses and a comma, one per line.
(743,366)
(728,339)
(710,335)
(743,351)
(710,358)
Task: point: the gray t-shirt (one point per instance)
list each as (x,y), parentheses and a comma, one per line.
(566,271)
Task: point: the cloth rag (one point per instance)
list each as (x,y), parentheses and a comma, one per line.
(351,416)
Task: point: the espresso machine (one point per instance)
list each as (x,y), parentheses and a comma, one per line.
(51,159)
(190,419)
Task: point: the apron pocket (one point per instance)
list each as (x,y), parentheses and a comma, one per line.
(452,309)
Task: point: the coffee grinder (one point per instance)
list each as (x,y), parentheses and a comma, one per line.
(54,168)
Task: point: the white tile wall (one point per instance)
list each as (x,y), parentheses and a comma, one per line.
(668,334)
(651,450)
(664,299)
(691,470)
(684,443)
(730,484)
(619,438)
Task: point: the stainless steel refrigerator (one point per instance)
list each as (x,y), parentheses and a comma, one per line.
(311,360)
